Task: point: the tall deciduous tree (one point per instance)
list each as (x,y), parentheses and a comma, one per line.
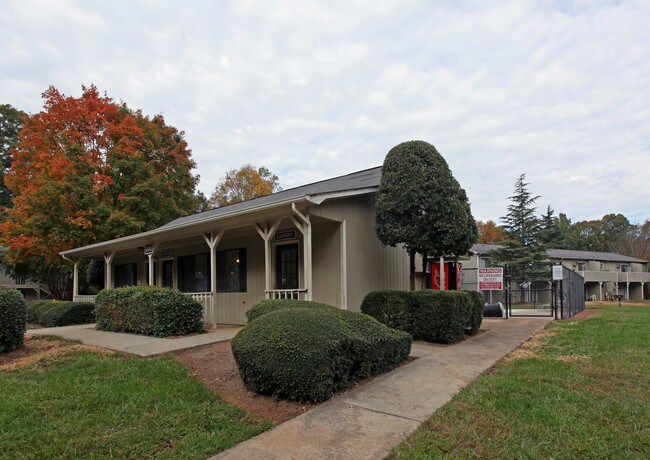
(85,170)
(490,233)
(11,122)
(243,184)
(523,243)
(422,206)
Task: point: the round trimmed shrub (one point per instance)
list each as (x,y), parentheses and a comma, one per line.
(13,319)
(269,305)
(438,316)
(148,310)
(307,354)
(390,307)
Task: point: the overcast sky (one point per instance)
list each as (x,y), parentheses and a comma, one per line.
(558,90)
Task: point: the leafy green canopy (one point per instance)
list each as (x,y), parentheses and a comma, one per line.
(421,205)
(11,122)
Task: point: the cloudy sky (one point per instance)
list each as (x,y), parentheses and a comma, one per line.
(559,90)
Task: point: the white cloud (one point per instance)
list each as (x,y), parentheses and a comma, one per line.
(314,90)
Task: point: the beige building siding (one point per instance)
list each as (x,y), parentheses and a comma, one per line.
(370,265)
(326,263)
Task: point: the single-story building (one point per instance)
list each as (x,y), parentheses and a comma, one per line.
(314,242)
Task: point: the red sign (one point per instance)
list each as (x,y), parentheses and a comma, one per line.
(490,279)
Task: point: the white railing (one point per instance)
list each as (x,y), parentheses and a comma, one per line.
(205,299)
(10,281)
(85,298)
(295,294)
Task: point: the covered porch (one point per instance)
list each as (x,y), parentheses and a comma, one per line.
(231,263)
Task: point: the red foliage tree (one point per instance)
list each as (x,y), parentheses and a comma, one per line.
(88,169)
(490,233)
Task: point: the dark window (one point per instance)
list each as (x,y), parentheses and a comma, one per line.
(126,275)
(231,270)
(582,266)
(194,273)
(286,266)
(168,273)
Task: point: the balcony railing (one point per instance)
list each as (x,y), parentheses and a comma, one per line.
(17,282)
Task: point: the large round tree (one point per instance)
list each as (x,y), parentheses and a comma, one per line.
(422,206)
(86,170)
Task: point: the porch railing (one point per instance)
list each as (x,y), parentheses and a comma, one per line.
(295,294)
(85,298)
(17,282)
(205,299)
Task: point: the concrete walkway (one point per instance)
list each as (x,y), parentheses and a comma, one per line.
(368,422)
(135,344)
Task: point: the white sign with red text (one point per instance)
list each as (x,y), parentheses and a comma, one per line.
(490,279)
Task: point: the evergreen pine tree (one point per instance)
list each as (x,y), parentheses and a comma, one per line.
(523,244)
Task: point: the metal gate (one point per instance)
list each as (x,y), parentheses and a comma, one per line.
(529,290)
(532,291)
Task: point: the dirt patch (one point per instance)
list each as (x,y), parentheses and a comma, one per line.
(215,365)
(587,313)
(39,350)
(529,348)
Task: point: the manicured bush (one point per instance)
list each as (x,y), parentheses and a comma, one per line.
(434,316)
(390,307)
(438,316)
(52,313)
(474,314)
(269,305)
(148,310)
(307,354)
(13,319)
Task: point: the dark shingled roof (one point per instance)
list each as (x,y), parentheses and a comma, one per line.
(568,254)
(367,178)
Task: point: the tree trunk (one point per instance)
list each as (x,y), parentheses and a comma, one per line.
(424,269)
(412,269)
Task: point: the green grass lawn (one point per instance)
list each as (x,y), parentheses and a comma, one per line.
(92,405)
(581,390)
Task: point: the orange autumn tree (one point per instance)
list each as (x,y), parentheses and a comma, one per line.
(243,184)
(86,170)
(490,233)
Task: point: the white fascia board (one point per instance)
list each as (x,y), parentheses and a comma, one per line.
(146,236)
(319,198)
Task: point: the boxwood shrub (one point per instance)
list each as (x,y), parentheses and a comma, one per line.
(433,316)
(148,310)
(13,319)
(390,307)
(269,305)
(307,354)
(52,313)
(474,317)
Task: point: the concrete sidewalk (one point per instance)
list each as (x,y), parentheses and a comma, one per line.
(133,343)
(366,423)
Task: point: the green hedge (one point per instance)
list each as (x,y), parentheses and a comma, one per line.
(13,319)
(434,316)
(392,308)
(148,310)
(474,317)
(52,313)
(269,305)
(307,354)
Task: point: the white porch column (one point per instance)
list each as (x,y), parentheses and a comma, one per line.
(344,265)
(108,259)
(642,290)
(266,233)
(213,240)
(75,280)
(150,253)
(600,283)
(442,274)
(304,225)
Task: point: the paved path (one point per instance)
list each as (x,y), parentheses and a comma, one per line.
(366,423)
(135,344)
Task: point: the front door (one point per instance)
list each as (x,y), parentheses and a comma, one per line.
(286,266)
